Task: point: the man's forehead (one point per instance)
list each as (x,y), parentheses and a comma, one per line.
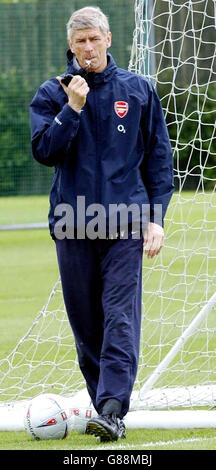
(87,32)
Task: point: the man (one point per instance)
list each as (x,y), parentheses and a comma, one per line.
(105,133)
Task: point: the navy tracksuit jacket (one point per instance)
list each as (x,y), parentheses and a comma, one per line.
(108,164)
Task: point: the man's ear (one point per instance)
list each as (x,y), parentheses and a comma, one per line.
(109,39)
(70,45)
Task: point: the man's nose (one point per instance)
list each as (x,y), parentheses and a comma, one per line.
(88,46)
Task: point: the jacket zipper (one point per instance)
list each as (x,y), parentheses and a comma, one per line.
(98,156)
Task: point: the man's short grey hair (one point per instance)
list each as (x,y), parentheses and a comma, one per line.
(87,17)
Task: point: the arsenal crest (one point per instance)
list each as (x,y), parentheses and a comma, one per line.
(121,108)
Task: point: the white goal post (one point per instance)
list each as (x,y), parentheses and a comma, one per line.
(174,46)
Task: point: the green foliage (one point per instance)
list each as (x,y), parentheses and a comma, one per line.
(14,137)
(17,1)
(19,173)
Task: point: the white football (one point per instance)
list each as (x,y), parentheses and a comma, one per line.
(46,417)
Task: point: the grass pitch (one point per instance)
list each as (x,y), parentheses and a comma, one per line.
(143,440)
(29,271)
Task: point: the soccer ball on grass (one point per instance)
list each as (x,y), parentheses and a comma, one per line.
(46,417)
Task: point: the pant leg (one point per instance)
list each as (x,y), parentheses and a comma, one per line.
(121,266)
(81,284)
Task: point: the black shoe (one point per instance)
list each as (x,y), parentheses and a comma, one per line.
(107,427)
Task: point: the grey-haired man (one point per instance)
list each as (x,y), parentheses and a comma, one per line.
(77,125)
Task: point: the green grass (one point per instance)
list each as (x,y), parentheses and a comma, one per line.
(23,209)
(136,440)
(29,270)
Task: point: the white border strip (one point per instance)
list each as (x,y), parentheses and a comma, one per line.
(29,226)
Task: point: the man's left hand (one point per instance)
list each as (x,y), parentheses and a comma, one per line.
(153,239)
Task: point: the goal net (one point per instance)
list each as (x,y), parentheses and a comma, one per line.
(174,47)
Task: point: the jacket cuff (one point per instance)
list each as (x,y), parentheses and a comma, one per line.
(67,113)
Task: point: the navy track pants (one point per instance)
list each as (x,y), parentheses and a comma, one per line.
(102,285)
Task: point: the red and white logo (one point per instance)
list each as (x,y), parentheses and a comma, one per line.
(121,108)
(63,415)
(51,422)
(88,413)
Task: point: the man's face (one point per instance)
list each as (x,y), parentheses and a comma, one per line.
(91,44)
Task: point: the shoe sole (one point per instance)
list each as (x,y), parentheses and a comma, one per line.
(97,430)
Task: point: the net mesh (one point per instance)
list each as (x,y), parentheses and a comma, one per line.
(174,46)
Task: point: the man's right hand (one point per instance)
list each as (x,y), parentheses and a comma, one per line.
(77,91)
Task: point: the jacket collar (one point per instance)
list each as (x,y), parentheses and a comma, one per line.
(74,68)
